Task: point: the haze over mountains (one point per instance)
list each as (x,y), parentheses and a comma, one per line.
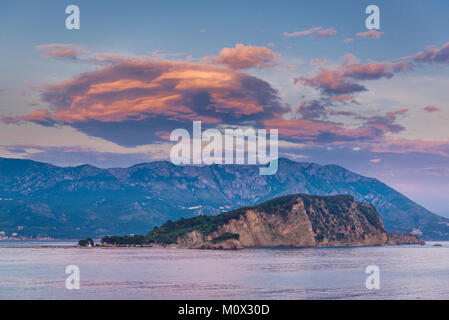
(73,202)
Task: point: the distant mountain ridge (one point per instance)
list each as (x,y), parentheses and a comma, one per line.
(85,200)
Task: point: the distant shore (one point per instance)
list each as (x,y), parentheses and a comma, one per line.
(428,244)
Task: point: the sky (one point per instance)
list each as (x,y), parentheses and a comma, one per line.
(110,93)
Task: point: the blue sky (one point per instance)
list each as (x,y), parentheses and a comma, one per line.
(372,104)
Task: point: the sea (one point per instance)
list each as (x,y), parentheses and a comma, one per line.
(37,270)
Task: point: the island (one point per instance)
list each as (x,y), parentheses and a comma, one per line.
(298,220)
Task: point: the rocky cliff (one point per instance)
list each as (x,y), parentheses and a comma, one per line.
(296,221)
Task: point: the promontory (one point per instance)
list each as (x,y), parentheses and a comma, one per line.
(289,221)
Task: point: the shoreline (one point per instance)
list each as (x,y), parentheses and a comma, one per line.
(427,244)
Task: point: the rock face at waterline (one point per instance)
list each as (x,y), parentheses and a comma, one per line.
(290,221)
(404,238)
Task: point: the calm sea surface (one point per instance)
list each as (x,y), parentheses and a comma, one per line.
(406,272)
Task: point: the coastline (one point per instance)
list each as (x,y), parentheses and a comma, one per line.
(427,244)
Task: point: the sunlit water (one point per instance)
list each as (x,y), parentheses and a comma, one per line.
(406,272)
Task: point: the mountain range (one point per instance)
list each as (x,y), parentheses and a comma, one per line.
(71,202)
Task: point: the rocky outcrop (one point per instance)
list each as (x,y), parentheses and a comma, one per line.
(404,238)
(290,221)
(294,221)
(196,240)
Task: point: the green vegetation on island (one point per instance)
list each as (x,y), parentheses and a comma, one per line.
(169,232)
(86,242)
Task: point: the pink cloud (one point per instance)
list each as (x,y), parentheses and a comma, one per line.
(342,97)
(313,132)
(56,50)
(350,59)
(330,82)
(430,109)
(431,54)
(324,33)
(340,84)
(158,94)
(243,57)
(396,113)
(310,125)
(317,61)
(401,145)
(146,95)
(375,70)
(372,34)
(113,93)
(42,116)
(343,79)
(315,33)
(286,67)
(302,33)
(380,124)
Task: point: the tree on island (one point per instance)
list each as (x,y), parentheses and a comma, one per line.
(86,243)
